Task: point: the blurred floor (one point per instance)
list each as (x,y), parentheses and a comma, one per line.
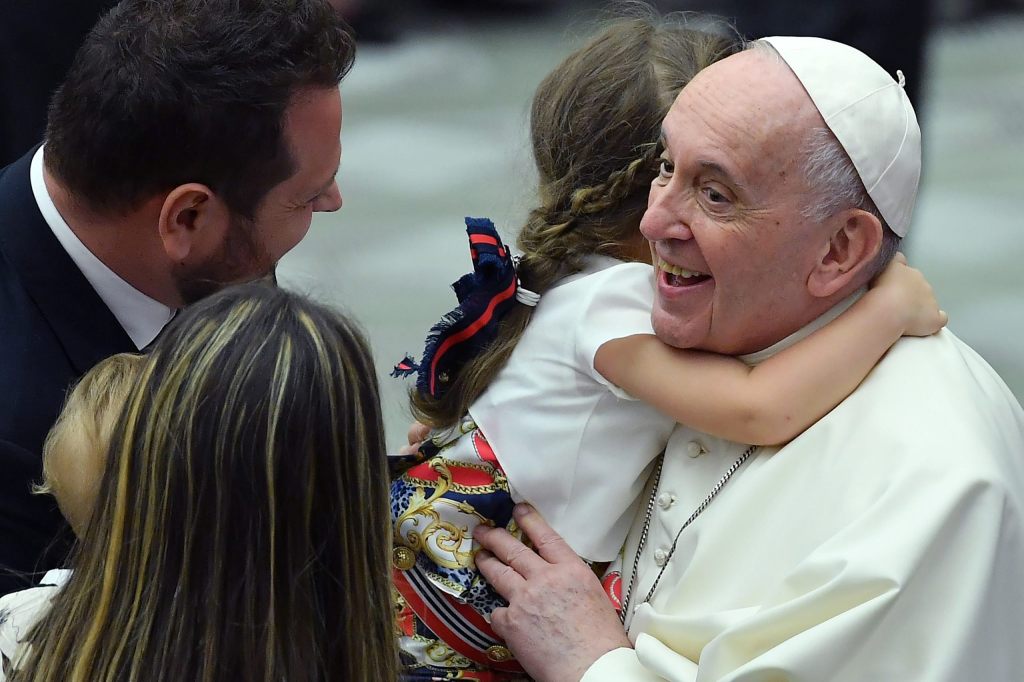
(435,129)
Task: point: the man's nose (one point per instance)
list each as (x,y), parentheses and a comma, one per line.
(665,217)
(330,200)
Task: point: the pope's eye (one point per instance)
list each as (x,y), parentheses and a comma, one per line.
(666,168)
(714,196)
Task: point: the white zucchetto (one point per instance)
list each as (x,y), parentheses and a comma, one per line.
(869,113)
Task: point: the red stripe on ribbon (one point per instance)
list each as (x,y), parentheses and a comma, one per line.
(466,333)
(482,239)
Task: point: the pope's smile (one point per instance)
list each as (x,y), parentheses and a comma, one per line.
(677,277)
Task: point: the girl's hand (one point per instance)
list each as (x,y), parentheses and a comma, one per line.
(911,298)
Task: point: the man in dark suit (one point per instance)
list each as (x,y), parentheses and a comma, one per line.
(186,150)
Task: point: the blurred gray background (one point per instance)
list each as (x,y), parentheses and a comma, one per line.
(435,128)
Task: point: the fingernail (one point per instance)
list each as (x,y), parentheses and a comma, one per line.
(522,509)
(480,530)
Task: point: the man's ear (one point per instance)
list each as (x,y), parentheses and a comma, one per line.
(854,242)
(192,221)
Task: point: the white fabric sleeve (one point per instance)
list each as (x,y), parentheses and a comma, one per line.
(22,610)
(856,621)
(618,305)
(873,603)
(845,616)
(624,665)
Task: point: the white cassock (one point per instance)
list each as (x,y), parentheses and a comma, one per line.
(885,543)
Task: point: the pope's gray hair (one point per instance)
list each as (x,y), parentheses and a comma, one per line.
(832,180)
(834,185)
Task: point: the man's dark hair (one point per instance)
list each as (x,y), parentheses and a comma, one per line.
(165,92)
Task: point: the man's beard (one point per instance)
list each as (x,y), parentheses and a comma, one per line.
(241,258)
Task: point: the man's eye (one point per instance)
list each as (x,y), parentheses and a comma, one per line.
(666,168)
(714,196)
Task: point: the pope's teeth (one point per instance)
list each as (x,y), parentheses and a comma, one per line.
(678,271)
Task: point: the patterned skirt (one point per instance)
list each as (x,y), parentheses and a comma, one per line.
(443,603)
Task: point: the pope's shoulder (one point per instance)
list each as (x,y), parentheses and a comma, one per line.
(940,375)
(934,402)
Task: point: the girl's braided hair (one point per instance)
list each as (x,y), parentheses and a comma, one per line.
(595,122)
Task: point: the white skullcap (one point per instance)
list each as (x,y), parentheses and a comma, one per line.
(869,113)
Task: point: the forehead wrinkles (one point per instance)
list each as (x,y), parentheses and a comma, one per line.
(752,110)
(699,118)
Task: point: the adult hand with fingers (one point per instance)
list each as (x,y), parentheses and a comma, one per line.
(551,594)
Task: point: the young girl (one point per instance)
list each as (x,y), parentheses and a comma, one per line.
(74,457)
(538,412)
(75,450)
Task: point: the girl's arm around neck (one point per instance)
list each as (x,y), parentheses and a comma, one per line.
(784,395)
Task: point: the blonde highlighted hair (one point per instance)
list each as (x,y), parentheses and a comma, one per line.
(242,529)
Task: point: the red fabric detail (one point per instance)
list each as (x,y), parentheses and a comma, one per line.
(405,619)
(612,584)
(469,331)
(447,635)
(484,449)
(467,476)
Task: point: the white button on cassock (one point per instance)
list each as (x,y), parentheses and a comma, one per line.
(666,500)
(660,556)
(695,449)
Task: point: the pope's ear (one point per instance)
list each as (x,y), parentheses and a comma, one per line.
(192,217)
(855,237)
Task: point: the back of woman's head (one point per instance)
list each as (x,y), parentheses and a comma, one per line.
(241,531)
(594,125)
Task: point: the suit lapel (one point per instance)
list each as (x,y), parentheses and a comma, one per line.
(87,330)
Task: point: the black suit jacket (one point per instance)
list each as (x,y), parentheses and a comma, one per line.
(53,328)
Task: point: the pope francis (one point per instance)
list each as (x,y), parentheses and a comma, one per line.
(887,541)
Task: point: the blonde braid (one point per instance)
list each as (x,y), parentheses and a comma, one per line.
(554,243)
(600,198)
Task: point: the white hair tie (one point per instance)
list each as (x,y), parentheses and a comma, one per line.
(525,296)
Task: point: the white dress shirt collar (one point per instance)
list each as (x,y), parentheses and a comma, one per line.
(141,316)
